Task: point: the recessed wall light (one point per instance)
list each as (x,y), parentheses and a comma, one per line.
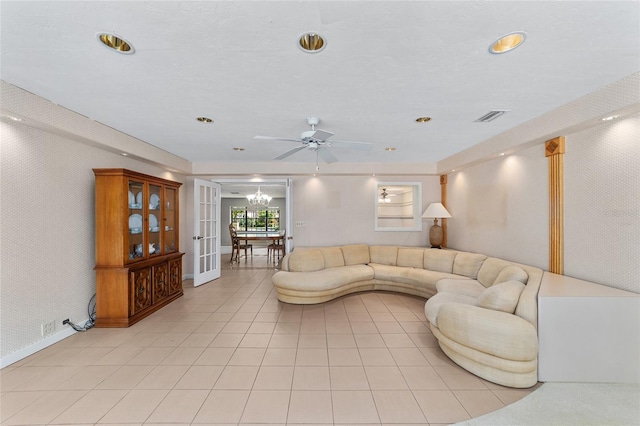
(116,43)
(124,154)
(501,154)
(508,42)
(390,149)
(612,117)
(423,119)
(238,149)
(204,119)
(311,42)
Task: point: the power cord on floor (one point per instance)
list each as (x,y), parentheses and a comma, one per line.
(91,310)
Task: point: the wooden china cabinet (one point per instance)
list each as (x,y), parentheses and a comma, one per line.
(138,262)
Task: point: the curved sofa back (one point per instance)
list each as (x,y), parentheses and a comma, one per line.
(470,265)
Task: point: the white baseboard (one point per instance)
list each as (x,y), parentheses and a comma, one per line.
(36,347)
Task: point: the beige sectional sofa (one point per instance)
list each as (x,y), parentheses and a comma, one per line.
(482,310)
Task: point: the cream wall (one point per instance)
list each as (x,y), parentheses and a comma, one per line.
(47,227)
(602,204)
(339,210)
(500,207)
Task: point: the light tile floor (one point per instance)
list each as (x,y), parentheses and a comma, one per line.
(229,353)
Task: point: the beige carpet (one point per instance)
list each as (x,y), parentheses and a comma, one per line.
(568,404)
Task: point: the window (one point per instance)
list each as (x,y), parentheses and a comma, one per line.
(248,219)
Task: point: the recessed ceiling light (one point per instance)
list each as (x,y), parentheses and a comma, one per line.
(501,154)
(311,42)
(238,149)
(390,149)
(508,42)
(423,119)
(204,119)
(116,43)
(124,154)
(612,117)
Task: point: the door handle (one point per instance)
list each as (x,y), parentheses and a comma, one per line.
(198,238)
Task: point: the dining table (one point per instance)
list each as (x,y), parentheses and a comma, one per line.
(260,236)
(269,237)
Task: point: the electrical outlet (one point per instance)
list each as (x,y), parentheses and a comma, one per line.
(47,327)
(299,224)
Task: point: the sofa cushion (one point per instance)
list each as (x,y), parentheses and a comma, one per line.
(439,260)
(326,279)
(422,278)
(332,256)
(434,303)
(356,254)
(468,264)
(384,255)
(467,286)
(490,270)
(306,260)
(411,257)
(512,273)
(501,297)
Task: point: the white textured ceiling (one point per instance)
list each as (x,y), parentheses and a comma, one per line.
(386,63)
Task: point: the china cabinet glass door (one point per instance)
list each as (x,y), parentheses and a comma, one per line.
(170,224)
(155,206)
(136,229)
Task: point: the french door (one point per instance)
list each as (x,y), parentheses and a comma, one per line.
(206,250)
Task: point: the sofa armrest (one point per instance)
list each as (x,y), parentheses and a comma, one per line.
(284,264)
(497,333)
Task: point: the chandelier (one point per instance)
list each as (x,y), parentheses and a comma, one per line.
(259,199)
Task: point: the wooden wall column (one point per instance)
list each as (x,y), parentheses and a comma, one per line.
(554,150)
(443,200)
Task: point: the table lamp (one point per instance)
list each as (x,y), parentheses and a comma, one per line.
(435,211)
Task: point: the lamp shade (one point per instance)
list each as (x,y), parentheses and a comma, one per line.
(436,211)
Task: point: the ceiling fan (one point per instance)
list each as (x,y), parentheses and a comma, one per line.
(316,140)
(384,196)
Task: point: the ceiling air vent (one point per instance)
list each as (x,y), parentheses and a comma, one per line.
(492,115)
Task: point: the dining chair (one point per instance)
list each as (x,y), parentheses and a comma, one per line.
(277,245)
(236,245)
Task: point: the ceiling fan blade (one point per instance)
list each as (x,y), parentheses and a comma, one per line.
(275,138)
(290,152)
(361,146)
(326,155)
(321,135)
